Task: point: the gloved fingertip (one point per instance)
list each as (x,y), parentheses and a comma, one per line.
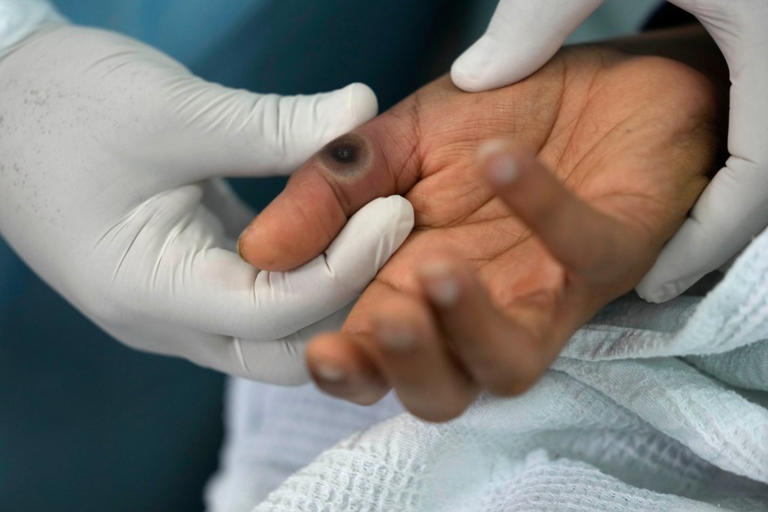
(656,294)
(400,222)
(400,210)
(469,71)
(377,230)
(344,110)
(361,103)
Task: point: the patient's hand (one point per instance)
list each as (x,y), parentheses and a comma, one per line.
(635,157)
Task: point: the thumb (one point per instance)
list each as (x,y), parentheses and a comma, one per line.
(521,37)
(377,159)
(217,131)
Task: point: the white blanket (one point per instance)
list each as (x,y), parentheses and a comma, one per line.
(650,407)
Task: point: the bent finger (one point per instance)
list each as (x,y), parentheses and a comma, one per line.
(506,351)
(414,357)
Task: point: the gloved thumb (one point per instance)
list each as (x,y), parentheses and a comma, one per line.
(220,132)
(521,37)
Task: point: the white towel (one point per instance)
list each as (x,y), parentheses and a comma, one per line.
(650,407)
(272,432)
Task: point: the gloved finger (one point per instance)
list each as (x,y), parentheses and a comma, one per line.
(319,197)
(213,290)
(521,37)
(278,303)
(587,242)
(282,361)
(225,204)
(274,361)
(731,210)
(224,132)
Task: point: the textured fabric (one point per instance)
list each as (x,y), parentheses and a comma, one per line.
(272,432)
(650,407)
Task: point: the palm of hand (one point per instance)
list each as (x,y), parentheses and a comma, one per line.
(597,119)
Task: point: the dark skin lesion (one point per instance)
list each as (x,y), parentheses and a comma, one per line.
(345,155)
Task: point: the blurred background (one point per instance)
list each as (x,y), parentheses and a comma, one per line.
(88,424)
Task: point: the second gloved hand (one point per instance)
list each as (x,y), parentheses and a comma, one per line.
(110,159)
(524,34)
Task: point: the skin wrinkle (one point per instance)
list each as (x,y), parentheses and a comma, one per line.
(414,157)
(461,220)
(551,136)
(388,167)
(592,96)
(342,199)
(569,144)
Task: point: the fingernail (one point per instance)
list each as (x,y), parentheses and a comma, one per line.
(491,147)
(399,337)
(329,372)
(442,286)
(503,170)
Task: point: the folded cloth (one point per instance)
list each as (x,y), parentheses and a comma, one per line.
(650,407)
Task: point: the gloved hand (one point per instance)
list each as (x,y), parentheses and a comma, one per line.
(524,34)
(109,157)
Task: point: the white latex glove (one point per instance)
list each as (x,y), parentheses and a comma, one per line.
(524,34)
(109,154)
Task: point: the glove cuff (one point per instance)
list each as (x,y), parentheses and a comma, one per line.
(19,18)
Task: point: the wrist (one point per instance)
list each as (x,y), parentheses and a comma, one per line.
(20,18)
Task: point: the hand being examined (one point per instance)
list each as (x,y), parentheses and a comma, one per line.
(514,248)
